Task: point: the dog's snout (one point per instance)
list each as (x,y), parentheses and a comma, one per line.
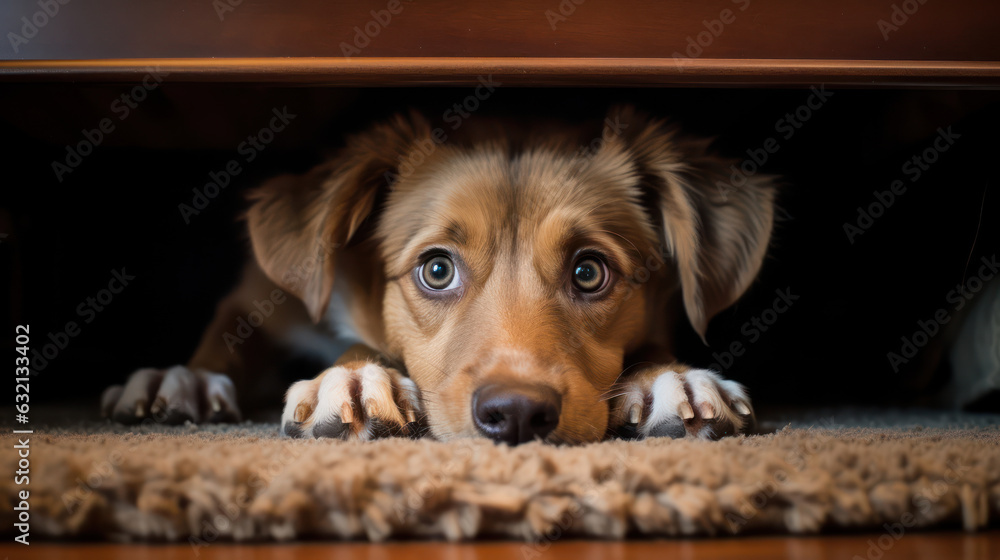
(516,414)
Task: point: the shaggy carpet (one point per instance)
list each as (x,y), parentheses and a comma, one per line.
(199,485)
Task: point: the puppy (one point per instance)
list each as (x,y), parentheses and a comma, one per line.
(509,284)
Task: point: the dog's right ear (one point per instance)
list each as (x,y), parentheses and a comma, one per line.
(298,222)
(716,231)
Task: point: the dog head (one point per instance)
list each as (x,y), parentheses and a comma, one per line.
(512,274)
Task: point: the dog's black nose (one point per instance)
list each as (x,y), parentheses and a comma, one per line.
(515,414)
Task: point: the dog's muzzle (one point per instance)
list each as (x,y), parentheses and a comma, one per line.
(515,414)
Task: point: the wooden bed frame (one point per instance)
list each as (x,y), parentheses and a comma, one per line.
(916,44)
(859,43)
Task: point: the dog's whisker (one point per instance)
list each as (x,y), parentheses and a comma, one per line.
(628,368)
(627,240)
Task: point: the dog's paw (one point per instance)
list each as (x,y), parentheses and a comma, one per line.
(171,396)
(675,401)
(358,400)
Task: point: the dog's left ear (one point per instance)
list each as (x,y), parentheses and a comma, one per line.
(298,223)
(715,224)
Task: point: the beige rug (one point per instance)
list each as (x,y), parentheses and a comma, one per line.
(194,486)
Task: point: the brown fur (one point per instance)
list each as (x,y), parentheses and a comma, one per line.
(513,208)
(515,220)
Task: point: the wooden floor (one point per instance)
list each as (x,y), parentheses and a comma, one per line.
(878,546)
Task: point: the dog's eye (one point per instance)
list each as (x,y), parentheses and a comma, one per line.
(589,274)
(438,273)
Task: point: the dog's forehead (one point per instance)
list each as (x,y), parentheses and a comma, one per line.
(492,189)
(487,197)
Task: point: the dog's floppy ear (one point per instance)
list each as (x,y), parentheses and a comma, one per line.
(717,229)
(298,222)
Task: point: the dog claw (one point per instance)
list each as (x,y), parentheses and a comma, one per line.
(690,403)
(355,401)
(685,411)
(302,413)
(635,413)
(109,398)
(159,405)
(707,410)
(172,396)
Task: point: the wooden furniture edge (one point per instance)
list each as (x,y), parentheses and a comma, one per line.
(462,71)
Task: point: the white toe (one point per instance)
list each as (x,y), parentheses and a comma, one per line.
(668,396)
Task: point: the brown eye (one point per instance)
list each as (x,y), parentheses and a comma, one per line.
(589,274)
(438,273)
